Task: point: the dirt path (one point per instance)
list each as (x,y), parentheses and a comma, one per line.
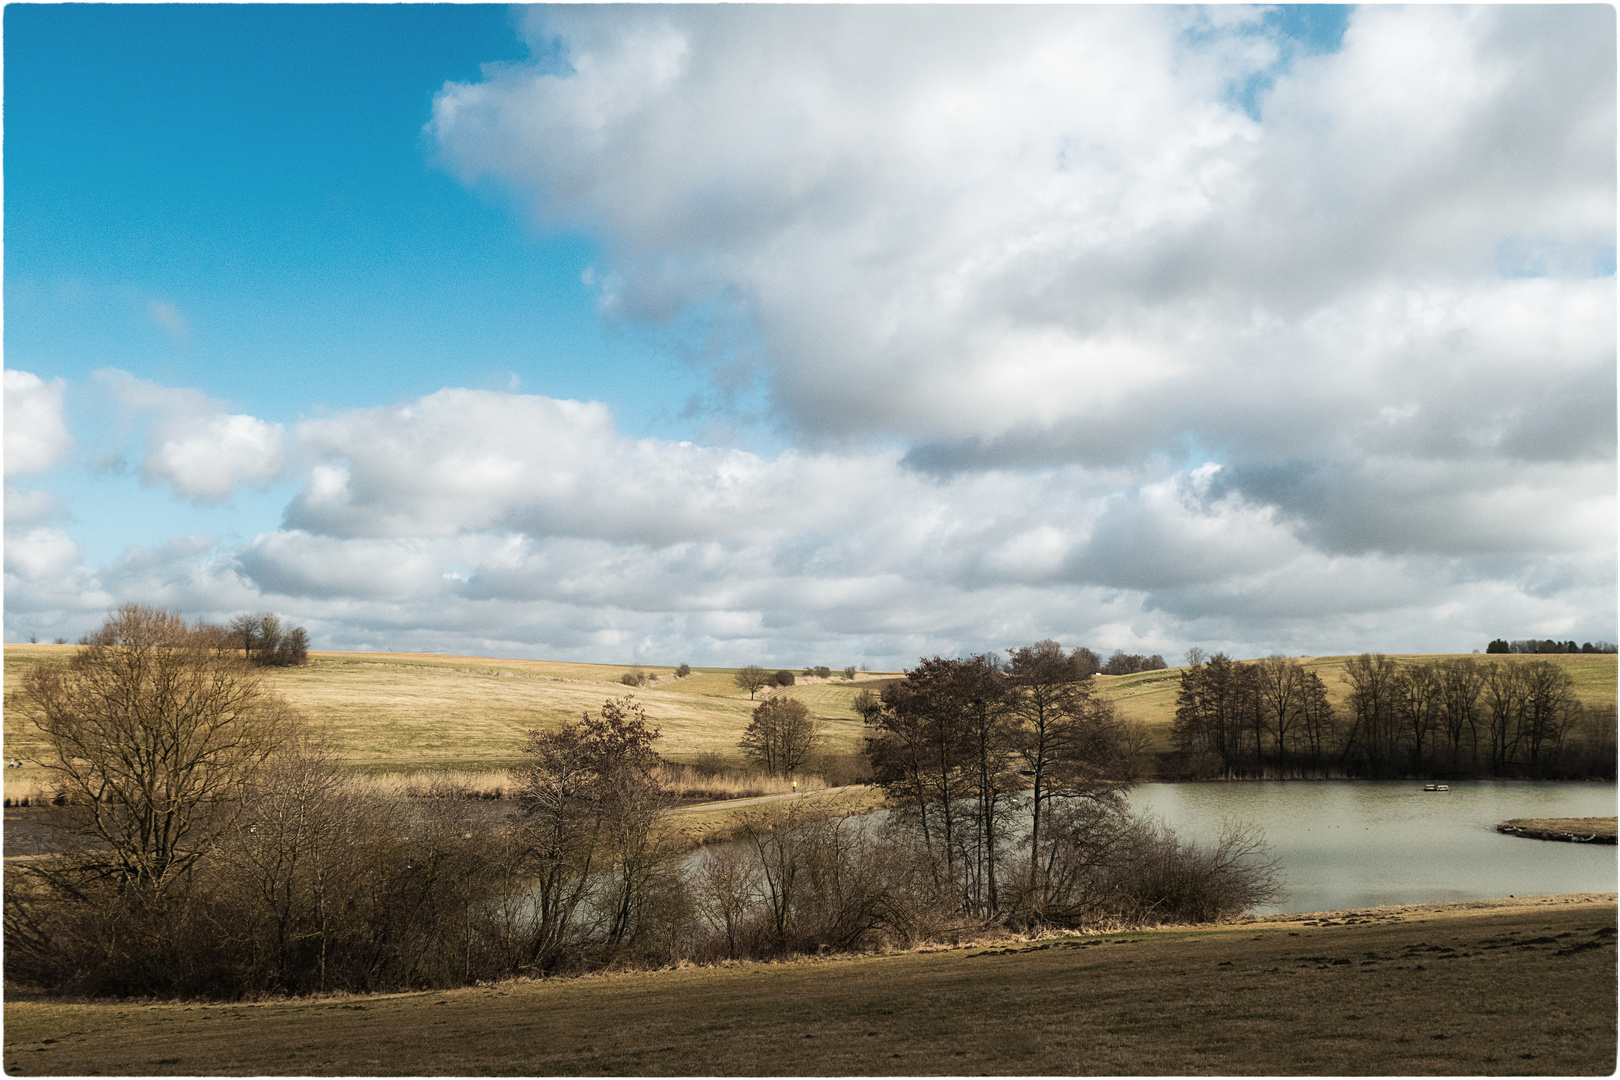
(732,804)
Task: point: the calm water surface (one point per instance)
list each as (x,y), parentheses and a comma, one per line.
(1350,844)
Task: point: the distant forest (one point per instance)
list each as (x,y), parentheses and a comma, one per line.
(1531,645)
(1456,717)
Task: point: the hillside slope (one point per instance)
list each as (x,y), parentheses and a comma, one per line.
(409,711)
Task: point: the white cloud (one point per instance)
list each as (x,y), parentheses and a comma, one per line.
(37,439)
(566,538)
(989,221)
(193,446)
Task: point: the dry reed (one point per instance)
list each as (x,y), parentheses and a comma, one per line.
(686,783)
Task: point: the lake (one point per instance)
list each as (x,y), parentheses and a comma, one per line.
(1347,844)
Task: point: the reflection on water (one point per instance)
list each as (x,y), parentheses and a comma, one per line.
(1351,844)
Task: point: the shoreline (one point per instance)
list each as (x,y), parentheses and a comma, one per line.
(1593,830)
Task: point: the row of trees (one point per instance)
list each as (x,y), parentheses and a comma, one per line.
(1452,717)
(1531,645)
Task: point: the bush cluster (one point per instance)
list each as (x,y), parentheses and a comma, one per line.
(1123,663)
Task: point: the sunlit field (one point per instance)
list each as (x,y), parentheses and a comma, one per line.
(407,712)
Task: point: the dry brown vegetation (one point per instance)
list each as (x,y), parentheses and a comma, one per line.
(1520,987)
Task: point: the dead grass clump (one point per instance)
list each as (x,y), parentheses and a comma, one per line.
(703,783)
(442,784)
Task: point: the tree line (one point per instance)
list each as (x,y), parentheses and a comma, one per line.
(1451,718)
(1531,645)
(222,850)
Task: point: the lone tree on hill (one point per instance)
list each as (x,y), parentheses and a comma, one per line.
(781,736)
(752,678)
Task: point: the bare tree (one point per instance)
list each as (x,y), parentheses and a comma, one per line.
(591,807)
(727,888)
(1071,743)
(151,731)
(752,678)
(1282,698)
(782,735)
(245,629)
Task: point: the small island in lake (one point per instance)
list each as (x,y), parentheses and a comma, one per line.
(1580,830)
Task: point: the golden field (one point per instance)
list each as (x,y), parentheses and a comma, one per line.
(410,712)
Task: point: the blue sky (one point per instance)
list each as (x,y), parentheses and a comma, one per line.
(262,171)
(241,200)
(902,339)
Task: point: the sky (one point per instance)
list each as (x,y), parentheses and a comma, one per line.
(813,335)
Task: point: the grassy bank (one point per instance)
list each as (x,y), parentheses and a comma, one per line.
(1520,987)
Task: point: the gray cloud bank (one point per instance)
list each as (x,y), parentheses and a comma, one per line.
(1071,339)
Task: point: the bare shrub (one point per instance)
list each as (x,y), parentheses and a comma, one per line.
(834,883)
(726,890)
(840,769)
(1103,865)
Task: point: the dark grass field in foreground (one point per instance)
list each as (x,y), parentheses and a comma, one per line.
(1508,987)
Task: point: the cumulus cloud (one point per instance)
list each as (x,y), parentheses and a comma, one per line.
(1030,238)
(37,438)
(193,446)
(478,521)
(998,221)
